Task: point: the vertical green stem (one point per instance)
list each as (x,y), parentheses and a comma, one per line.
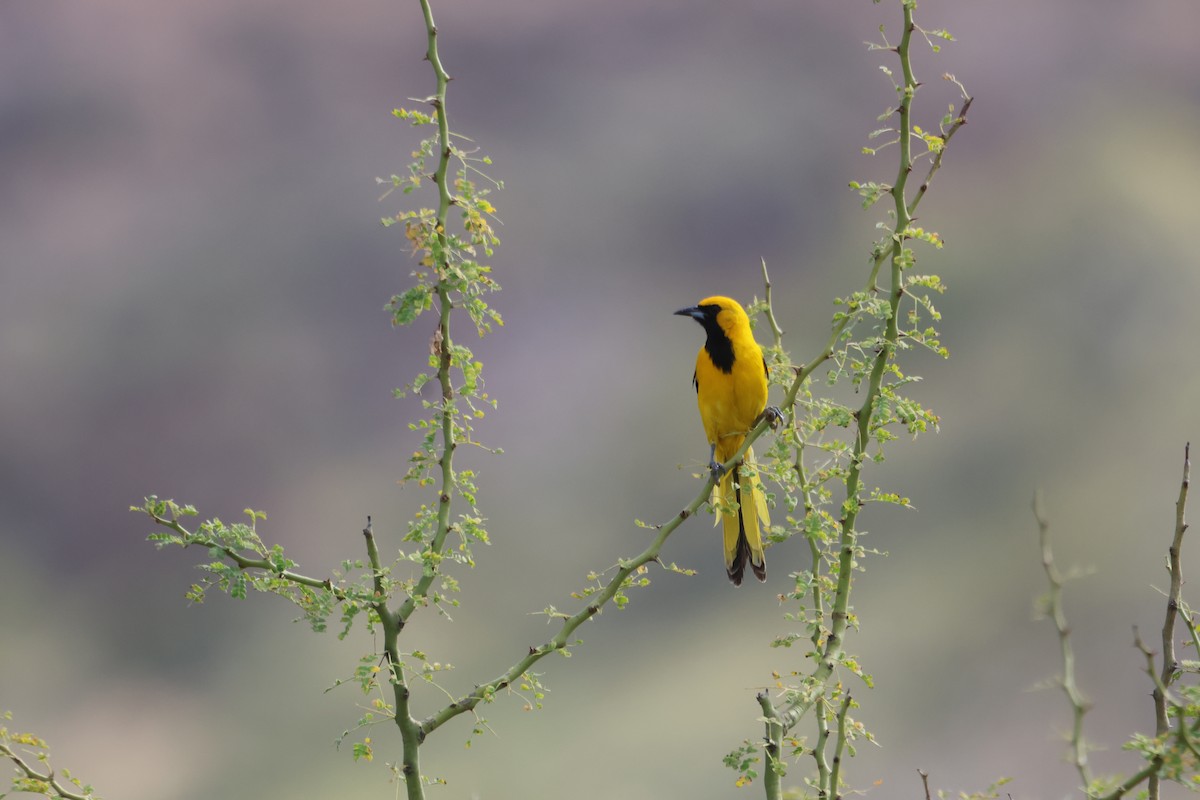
(839,748)
(439,105)
(391,624)
(819,749)
(410,729)
(445,305)
(848,536)
(853,504)
(908,90)
(441,178)
(774,739)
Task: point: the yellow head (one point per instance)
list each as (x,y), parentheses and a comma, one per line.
(723,313)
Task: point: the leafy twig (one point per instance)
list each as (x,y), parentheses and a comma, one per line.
(29,779)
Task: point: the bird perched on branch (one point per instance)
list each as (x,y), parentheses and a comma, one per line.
(731,390)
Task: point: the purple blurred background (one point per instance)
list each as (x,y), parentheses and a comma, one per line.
(192,276)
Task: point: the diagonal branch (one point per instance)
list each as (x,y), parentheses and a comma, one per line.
(39,782)
(627,568)
(936,164)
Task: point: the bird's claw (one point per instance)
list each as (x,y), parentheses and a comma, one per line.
(716,471)
(772,415)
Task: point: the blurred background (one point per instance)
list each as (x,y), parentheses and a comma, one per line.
(193,276)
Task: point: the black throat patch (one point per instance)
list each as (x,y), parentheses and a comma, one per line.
(718,344)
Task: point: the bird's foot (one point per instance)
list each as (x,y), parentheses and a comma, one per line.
(716,471)
(772,415)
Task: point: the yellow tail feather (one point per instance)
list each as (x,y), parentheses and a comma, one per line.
(741,516)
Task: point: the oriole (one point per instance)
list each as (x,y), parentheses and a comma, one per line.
(731,390)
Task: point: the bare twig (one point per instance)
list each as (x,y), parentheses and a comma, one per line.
(925,782)
(1166,673)
(1175,567)
(776,331)
(1160,712)
(1169,667)
(1079,706)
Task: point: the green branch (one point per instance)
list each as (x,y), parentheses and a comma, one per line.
(559,641)
(955,125)
(773,747)
(839,747)
(234,555)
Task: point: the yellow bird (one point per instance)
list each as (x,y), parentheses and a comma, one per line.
(731,390)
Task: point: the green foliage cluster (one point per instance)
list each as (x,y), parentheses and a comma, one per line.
(32,774)
(449,280)
(818,458)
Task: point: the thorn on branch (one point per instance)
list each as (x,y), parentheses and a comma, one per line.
(1140,645)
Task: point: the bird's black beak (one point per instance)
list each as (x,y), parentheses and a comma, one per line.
(691,311)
